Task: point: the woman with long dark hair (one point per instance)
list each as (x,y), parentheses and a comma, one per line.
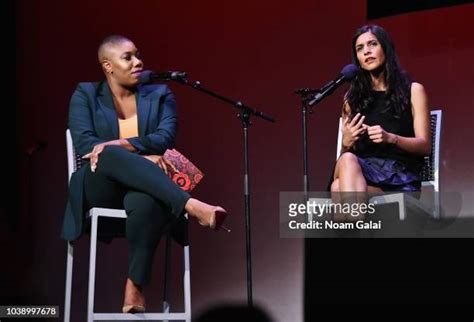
(386,121)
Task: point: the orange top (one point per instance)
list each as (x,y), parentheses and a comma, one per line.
(128,128)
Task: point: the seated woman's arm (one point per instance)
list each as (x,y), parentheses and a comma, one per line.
(80,122)
(421,143)
(351,129)
(164,135)
(86,141)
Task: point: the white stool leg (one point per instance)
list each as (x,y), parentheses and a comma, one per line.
(166,305)
(397,197)
(93,246)
(69,267)
(437,203)
(318,201)
(187,284)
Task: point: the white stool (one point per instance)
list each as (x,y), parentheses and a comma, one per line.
(74,163)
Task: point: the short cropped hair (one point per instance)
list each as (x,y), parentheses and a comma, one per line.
(109,41)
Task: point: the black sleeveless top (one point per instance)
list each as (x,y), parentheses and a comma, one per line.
(378,113)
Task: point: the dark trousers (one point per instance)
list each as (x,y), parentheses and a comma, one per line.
(126,180)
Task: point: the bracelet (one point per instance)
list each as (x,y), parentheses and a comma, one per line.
(396,140)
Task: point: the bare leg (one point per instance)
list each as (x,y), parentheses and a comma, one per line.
(335,189)
(134,301)
(374,190)
(349,185)
(349,173)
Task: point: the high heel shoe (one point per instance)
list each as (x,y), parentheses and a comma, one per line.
(207,215)
(216,220)
(134,301)
(133,308)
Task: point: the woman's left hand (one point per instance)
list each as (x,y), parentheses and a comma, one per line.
(163,163)
(378,135)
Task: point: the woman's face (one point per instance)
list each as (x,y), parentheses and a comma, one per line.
(123,63)
(369,52)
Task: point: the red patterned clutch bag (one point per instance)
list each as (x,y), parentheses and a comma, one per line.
(188,175)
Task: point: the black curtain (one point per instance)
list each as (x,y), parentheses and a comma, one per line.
(380,9)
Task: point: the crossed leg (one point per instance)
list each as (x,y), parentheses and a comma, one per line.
(349,184)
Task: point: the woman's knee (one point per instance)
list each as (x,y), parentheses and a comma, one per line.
(335,186)
(347,161)
(112,152)
(113,159)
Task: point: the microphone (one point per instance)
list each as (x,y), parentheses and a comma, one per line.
(347,73)
(147,76)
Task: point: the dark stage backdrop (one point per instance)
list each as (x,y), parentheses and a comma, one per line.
(254,51)
(380,9)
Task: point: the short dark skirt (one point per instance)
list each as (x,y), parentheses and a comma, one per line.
(389,175)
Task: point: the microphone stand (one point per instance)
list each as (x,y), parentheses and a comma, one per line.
(305,94)
(245,113)
(309,98)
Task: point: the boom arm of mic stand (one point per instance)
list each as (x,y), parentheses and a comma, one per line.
(237,104)
(325,91)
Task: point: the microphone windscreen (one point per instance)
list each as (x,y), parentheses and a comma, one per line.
(145,77)
(349,71)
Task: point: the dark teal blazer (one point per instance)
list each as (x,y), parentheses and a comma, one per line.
(93,120)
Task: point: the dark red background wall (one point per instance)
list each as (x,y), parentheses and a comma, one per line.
(257,52)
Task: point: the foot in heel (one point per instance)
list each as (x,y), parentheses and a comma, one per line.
(207,215)
(134,301)
(217,219)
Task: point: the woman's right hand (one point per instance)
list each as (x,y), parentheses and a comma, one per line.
(351,131)
(93,156)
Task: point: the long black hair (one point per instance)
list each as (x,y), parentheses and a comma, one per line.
(397,80)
